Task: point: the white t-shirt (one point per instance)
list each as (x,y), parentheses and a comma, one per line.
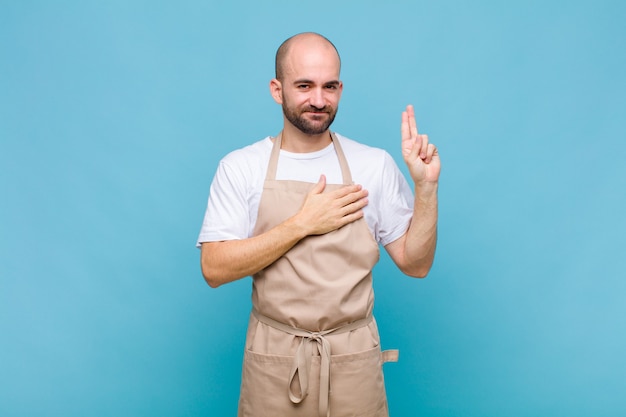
(238,183)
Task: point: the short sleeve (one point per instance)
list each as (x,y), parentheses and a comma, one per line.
(227,214)
(396,204)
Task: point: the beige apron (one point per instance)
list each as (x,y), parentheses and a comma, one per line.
(312,347)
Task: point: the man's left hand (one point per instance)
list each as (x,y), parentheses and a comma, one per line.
(420,156)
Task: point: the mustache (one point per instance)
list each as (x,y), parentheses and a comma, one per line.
(325,109)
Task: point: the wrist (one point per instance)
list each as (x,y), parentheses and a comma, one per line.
(298,230)
(425,189)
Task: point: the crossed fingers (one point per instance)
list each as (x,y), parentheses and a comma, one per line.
(415,145)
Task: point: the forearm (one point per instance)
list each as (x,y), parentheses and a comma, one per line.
(422,234)
(415,251)
(228,261)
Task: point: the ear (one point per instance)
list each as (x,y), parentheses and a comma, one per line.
(276,90)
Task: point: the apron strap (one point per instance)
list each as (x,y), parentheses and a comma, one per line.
(343,162)
(390,355)
(302,360)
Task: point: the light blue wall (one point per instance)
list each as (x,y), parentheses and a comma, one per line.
(113,116)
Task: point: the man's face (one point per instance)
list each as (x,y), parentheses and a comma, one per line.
(311,88)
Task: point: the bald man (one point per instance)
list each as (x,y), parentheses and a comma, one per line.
(304,214)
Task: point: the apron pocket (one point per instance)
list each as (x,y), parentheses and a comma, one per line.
(357,385)
(264,391)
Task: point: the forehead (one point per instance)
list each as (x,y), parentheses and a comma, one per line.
(312,59)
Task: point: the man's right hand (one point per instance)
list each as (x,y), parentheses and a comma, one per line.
(324,212)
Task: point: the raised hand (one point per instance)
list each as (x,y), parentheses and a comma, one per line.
(420,156)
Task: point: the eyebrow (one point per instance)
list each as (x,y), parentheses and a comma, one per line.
(306,81)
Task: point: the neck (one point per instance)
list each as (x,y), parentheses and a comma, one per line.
(294,140)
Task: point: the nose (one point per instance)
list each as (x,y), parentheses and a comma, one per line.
(316,98)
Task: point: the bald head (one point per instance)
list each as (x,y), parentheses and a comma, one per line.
(301,41)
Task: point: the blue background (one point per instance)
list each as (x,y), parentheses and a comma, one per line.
(113,116)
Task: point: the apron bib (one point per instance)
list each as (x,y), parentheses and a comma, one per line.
(312,346)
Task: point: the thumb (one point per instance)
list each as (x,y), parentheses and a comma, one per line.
(319,187)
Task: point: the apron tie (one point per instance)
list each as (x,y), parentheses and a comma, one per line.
(304,354)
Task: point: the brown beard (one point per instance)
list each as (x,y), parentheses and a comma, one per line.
(305,126)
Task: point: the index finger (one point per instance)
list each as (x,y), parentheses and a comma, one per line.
(404,127)
(412,124)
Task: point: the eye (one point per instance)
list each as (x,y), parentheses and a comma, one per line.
(302,86)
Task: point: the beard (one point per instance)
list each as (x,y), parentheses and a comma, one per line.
(310,127)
